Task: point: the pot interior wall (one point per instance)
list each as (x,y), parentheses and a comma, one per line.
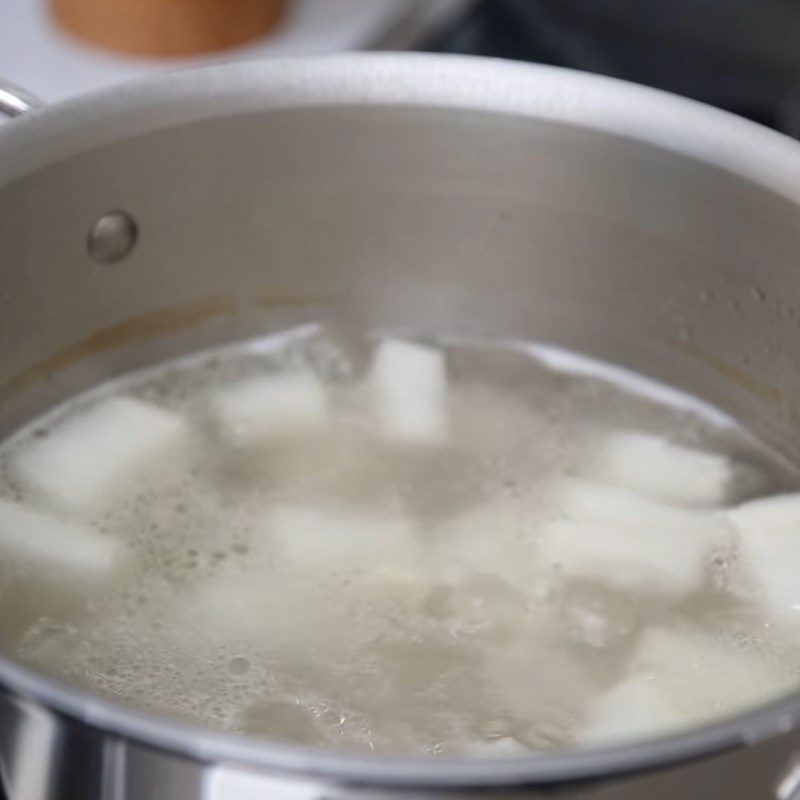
(457,221)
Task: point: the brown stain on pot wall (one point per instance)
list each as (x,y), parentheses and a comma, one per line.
(272,301)
(738,376)
(129,331)
(148,326)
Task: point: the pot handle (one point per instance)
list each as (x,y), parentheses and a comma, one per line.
(788,787)
(15,100)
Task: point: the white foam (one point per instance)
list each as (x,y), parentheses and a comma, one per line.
(636,707)
(312,538)
(599,617)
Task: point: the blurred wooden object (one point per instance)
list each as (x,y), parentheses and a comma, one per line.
(167,27)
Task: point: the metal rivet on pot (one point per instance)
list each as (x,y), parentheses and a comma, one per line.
(112,237)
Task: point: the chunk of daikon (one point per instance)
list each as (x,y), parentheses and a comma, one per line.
(631,557)
(634,708)
(580,500)
(269,407)
(323,538)
(489,538)
(85,458)
(409,384)
(768,536)
(43,540)
(778,512)
(662,469)
(620,539)
(303,598)
(668,687)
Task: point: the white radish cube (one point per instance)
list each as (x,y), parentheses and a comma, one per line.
(580,500)
(662,469)
(409,384)
(502,747)
(85,458)
(766,514)
(488,538)
(259,410)
(636,558)
(46,541)
(623,540)
(768,534)
(600,617)
(634,708)
(308,572)
(681,661)
(320,538)
(678,679)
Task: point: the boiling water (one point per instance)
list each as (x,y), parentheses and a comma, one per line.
(335,586)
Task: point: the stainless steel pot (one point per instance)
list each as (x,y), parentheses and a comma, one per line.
(439,192)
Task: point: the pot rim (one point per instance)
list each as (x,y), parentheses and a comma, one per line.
(47,135)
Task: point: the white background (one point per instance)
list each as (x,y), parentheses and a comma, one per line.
(35,54)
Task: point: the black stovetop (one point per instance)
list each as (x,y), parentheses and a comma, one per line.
(741,55)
